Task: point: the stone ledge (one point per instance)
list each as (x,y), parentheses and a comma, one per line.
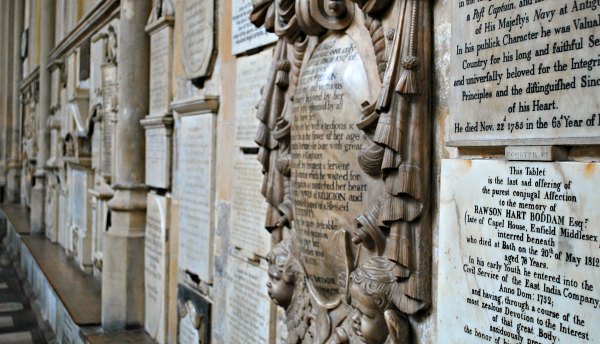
(18,216)
(78,291)
(126,337)
(70,299)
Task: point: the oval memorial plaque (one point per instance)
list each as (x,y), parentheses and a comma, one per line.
(328,186)
(197,21)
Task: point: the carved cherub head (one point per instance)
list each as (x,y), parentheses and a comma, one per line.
(281,276)
(375,291)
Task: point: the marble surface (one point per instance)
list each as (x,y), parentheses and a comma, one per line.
(329,188)
(156,267)
(248,307)
(161,62)
(248,233)
(520,73)
(195,191)
(197,30)
(518,252)
(244,35)
(250,77)
(158,157)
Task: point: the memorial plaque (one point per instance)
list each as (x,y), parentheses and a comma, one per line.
(71,76)
(108,127)
(79,180)
(247,318)
(63,219)
(195,188)
(81,240)
(197,30)
(194,317)
(96,147)
(158,157)
(109,87)
(110,106)
(156,267)
(344,142)
(101,226)
(250,77)
(329,187)
(248,216)
(244,35)
(519,258)
(96,71)
(160,70)
(525,72)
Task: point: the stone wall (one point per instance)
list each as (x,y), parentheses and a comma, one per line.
(241,165)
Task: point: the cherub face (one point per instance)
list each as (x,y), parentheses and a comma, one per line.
(279,291)
(368,320)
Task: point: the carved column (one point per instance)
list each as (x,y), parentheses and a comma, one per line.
(13,163)
(6,87)
(123,274)
(46,44)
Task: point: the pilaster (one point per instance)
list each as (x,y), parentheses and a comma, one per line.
(46,45)
(123,274)
(13,139)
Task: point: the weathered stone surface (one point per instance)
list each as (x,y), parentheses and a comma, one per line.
(518,252)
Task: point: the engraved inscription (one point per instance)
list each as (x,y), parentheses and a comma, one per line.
(155,266)
(520,247)
(195,186)
(197,32)
(158,157)
(247,232)
(328,186)
(247,319)
(244,35)
(521,70)
(249,80)
(160,52)
(79,198)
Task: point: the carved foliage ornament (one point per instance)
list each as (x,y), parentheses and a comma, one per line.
(344,136)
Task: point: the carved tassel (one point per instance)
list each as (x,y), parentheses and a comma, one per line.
(408,81)
(283,68)
(385,95)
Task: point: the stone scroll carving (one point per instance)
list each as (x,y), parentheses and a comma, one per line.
(344,139)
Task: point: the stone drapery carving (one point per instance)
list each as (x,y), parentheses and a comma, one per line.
(344,141)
